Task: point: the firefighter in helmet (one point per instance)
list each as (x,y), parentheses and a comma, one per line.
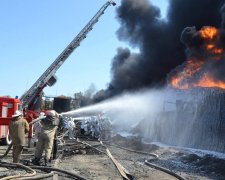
(46,137)
(18,127)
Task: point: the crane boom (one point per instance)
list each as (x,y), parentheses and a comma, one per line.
(43,80)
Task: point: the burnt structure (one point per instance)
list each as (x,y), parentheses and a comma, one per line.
(193,124)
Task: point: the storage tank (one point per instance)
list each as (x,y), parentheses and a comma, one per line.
(62,104)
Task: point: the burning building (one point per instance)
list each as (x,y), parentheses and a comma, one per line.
(205,66)
(185,50)
(198,122)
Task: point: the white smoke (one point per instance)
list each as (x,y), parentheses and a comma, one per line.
(127,110)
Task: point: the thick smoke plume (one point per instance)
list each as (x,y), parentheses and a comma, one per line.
(158,41)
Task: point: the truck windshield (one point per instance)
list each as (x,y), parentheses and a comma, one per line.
(20,107)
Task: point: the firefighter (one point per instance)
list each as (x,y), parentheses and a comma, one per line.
(46,137)
(94,128)
(37,128)
(71,126)
(18,127)
(106,129)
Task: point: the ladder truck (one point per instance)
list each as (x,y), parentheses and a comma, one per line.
(27,101)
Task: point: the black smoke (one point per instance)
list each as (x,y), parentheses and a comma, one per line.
(158,41)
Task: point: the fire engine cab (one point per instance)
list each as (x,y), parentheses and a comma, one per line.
(7,108)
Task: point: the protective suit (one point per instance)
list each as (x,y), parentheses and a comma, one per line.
(105,129)
(37,128)
(71,128)
(46,137)
(94,128)
(18,127)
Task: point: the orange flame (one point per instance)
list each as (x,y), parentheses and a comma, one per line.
(208,81)
(176,83)
(190,76)
(179,80)
(218,51)
(210,46)
(209,32)
(182,80)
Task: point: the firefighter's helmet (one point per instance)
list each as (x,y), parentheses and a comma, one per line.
(52,113)
(17,113)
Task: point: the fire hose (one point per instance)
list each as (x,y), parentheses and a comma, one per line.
(123,172)
(31,168)
(42,176)
(17,165)
(131,150)
(43,168)
(58,170)
(164,170)
(151,164)
(6,152)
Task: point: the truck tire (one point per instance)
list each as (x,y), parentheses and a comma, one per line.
(7,140)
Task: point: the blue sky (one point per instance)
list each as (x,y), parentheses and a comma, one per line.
(34,33)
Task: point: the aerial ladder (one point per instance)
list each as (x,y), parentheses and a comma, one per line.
(29,98)
(48,77)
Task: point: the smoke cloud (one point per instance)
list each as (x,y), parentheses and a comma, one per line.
(158,41)
(128,109)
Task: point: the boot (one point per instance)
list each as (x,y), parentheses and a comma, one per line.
(36,161)
(46,161)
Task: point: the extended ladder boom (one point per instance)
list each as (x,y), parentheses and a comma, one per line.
(38,86)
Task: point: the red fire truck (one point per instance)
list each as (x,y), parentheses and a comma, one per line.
(7,108)
(27,102)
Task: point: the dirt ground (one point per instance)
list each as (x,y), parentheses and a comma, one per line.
(98,166)
(192,165)
(94,165)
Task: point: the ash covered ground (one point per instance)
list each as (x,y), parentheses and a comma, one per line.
(190,163)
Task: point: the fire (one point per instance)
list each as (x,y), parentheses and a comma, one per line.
(176,82)
(211,35)
(209,82)
(189,77)
(209,32)
(181,79)
(218,51)
(193,74)
(210,46)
